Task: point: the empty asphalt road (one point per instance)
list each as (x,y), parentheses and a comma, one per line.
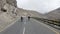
(29,27)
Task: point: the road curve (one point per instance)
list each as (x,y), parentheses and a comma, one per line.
(28,27)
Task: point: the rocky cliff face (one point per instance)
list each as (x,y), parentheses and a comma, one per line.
(12,2)
(2,3)
(7,8)
(7,13)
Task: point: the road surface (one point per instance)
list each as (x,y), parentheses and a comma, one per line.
(28,27)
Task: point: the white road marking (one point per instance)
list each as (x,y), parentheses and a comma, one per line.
(51,29)
(24,30)
(48,27)
(10,24)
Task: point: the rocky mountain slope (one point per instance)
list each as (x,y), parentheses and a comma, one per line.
(55,14)
(30,12)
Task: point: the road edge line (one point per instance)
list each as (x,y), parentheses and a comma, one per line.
(47,27)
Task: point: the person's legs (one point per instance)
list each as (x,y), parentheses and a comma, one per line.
(28,17)
(21,19)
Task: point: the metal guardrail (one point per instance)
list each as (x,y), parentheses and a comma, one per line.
(54,22)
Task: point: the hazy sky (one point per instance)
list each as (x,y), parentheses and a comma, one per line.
(41,6)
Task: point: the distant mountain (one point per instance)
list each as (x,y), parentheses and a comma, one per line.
(55,14)
(30,12)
